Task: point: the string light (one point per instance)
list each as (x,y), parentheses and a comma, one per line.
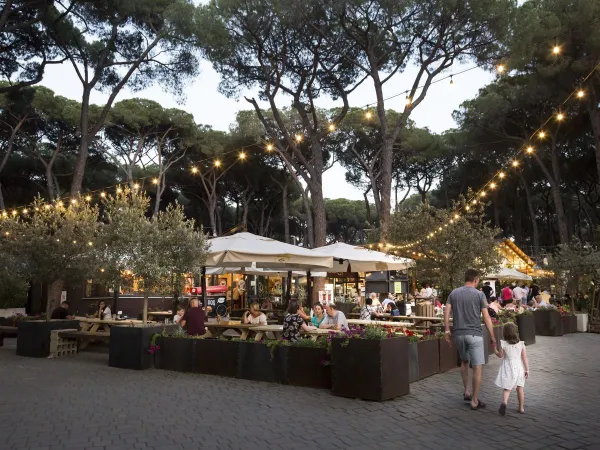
(456,216)
(59,204)
(451,81)
(515,163)
(74,242)
(88,198)
(408,101)
(136,186)
(331,127)
(217,163)
(482,194)
(500,68)
(368,115)
(155,181)
(269,147)
(298,138)
(90,243)
(501,175)
(542,134)
(119,190)
(74,202)
(242,156)
(560,116)
(101,270)
(46,206)
(493,185)
(580,93)
(556,50)
(25,211)
(194,170)
(102,194)
(530,149)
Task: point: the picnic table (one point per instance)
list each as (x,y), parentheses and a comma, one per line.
(277,330)
(92,327)
(216,329)
(160,314)
(378,322)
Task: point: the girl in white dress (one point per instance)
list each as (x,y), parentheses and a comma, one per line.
(515,367)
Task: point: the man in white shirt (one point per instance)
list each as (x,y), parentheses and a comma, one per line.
(390,299)
(428,291)
(518,294)
(334,319)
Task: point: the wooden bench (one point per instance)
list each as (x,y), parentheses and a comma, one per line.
(85,337)
(6,331)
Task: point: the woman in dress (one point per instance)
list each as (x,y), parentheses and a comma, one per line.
(293,323)
(318,315)
(514,369)
(103,312)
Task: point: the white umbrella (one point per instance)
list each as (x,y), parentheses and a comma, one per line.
(506,273)
(361,259)
(250,250)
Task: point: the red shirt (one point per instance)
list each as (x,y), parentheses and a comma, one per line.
(507,293)
(194,321)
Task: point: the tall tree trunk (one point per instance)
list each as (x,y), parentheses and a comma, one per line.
(310,230)
(320,220)
(212,201)
(285,213)
(534,224)
(385,190)
(2,205)
(83,153)
(53,300)
(367,204)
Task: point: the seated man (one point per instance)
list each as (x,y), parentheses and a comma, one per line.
(367,310)
(193,319)
(61,312)
(335,319)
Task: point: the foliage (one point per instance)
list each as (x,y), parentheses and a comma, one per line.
(506,316)
(13,290)
(412,336)
(576,266)
(466,242)
(366,332)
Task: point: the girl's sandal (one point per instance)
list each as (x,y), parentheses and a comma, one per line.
(480,405)
(502,409)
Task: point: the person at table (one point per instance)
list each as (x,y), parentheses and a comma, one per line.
(395,309)
(487,290)
(103,312)
(255,316)
(335,319)
(493,306)
(540,303)
(367,311)
(507,293)
(61,312)
(318,315)
(179,315)
(193,319)
(294,323)
(387,301)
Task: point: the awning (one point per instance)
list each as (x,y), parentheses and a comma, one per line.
(361,259)
(506,273)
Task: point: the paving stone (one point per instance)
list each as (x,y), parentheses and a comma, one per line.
(86,405)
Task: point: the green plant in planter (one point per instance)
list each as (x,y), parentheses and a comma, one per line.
(506,316)
(273,345)
(525,312)
(412,336)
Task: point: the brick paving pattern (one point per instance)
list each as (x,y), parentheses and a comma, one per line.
(79,403)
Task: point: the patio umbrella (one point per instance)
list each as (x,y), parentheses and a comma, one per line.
(360,259)
(250,250)
(506,273)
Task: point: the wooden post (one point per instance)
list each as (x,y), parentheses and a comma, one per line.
(203,286)
(309,289)
(289,286)
(145,309)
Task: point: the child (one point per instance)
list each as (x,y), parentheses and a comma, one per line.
(179,315)
(515,367)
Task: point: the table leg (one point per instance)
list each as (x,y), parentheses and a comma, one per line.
(244,335)
(277,335)
(259,335)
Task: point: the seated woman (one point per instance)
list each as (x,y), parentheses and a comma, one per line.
(318,316)
(103,312)
(293,323)
(395,309)
(255,316)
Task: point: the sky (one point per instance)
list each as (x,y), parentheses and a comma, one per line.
(209,107)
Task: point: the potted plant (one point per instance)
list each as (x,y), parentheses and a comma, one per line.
(308,363)
(173,351)
(548,322)
(568,319)
(216,357)
(370,363)
(258,361)
(424,355)
(526,323)
(449,358)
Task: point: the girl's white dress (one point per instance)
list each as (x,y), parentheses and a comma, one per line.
(512,371)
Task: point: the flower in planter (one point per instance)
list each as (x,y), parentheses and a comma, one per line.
(427,336)
(412,337)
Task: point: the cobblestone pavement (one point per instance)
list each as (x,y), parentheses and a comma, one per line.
(81,403)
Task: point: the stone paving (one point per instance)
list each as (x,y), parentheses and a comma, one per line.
(81,403)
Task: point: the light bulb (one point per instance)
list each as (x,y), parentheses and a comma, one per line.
(501,175)
(242,156)
(493,185)
(331,127)
(451,81)
(74,202)
(408,100)
(90,243)
(482,194)
(530,149)
(136,186)
(556,50)
(560,116)
(515,163)
(194,170)
(155,181)
(456,216)
(102,194)
(269,147)
(542,134)
(217,163)
(500,68)
(25,211)
(580,93)
(298,138)
(119,190)
(368,115)
(88,198)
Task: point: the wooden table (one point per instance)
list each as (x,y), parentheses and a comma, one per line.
(217,329)
(158,314)
(93,325)
(378,322)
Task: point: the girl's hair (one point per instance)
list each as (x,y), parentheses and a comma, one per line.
(101,301)
(510,333)
(293,308)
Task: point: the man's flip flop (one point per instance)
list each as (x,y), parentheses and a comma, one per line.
(480,405)
(502,409)
(467,398)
